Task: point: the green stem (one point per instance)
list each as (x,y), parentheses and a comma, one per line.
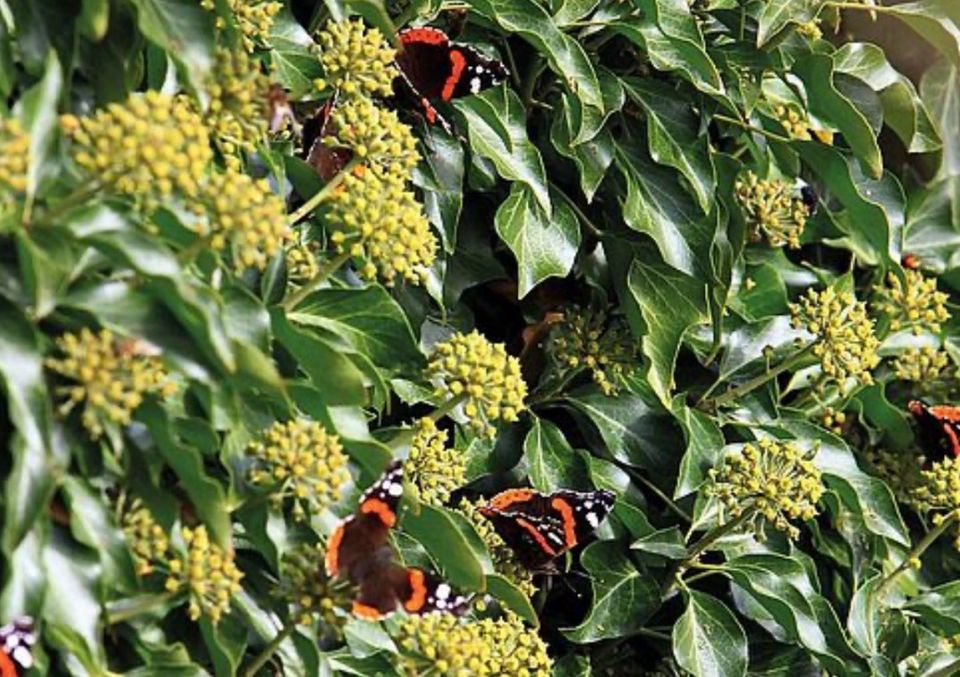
(131,608)
(915,554)
(863,8)
(590,225)
(537,66)
(693,554)
(759,380)
(307,207)
(704,574)
(77,197)
(326,270)
(752,128)
(269,650)
(676,509)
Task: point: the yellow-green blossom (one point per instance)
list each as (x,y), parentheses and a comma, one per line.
(302,264)
(939,491)
(844,339)
(207,573)
(504,559)
(14,159)
(447,646)
(305,586)
(912,303)
(771,210)
(771,480)
(920,364)
(150,147)
(254,19)
(589,340)
(148,541)
(244,214)
(112,377)
(376,219)
(431,467)
(900,471)
(237,116)
(482,375)
(300,461)
(794,122)
(373,134)
(357,61)
(833,420)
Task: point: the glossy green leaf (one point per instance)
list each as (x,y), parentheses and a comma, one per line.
(553,463)
(437,532)
(708,639)
(184,30)
(295,64)
(777,15)
(932,20)
(512,597)
(38,112)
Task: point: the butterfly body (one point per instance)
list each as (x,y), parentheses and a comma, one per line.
(359,552)
(541,527)
(938,428)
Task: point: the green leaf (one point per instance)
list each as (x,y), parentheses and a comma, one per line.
(664,542)
(440,175)
(512,597)
(777,15)
(940,92)
(704,446)
(184,31)
(38,111)
(939,608)
(670,302)
(623,598)
(94,18)
(545,246)
(825,100)
(932,21)
(673,136)
(32,476)
(864,621)
(708,640)
(496,127)
(295,63)
(553,464)
(437,532)
(368,319)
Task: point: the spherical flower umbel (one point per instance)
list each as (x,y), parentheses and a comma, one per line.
(111,377)
(912,303)
(771,210)
(920,365)
(150,147)
(504,559)
(299,461)
(447,646)
(237,115)
(794,123)
(14,158)
(589,340)
(357,61)
(209,575)
(775,481)
(482,375)
(939,490)
(254,19)
(305,586)
(431,467)
(376,219)
(844,339)
(372,133)
(246,215)
(148,541)
(302,264)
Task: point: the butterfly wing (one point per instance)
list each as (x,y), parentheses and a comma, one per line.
(938,429)
(471,73)
(16,638)
(581,512)
(327,161)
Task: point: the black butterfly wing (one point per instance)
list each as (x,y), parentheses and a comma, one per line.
(938,429)
(424,60)
(326,160)
(475,72)
(534,543)
(16,640)
(581,511)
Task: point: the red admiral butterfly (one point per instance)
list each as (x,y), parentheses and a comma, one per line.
(434,67)
(358,551)
(325,160)
(938,427)
(16,638)
(541,527)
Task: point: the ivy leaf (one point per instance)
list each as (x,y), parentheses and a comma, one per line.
(439,534)
(291,52)
(779,14)
(932,20)
(670,302)
(708,639)
(553,463)
(184,30)
(496,126)
(38,111)
(940,92)
(545,246)
(864,621)
(623,598)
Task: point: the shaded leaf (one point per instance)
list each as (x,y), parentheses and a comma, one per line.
(708,640)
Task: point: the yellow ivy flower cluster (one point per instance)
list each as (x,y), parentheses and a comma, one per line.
(237,116)
(833,420)
(793,122)
(111,378)
(301,461)
(482,375)
(771,210)
(920,364)
(912,303)
(587,340)
(206,572)
(302,264)
(375,218)
(444,645)
(844,341)
(775,479)
(373,133)
(148,541)
(305,586)
(14,157)
(357,61)
(243,213)
(939,490)
(900,471)
(504,559)
(254,19)
(435,470)
(150,147)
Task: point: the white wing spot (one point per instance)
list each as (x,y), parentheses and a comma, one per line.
(475,85)
(394,489)
(592,519)
(443,591)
